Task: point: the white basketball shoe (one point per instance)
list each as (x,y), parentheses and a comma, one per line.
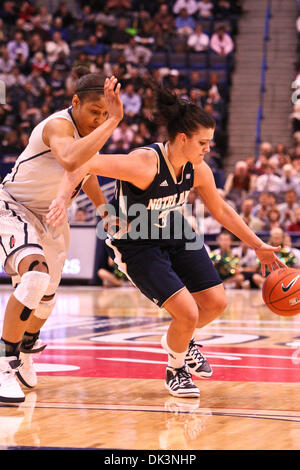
(26,372)
(10,390)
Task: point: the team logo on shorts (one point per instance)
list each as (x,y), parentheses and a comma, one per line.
(12,241)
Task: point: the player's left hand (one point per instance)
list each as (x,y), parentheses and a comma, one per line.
(267,257)
(57,212)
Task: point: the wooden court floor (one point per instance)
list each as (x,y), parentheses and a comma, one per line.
(101,379)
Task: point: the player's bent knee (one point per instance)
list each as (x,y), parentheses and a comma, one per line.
(220,305)
(33,263)
(38,266)
(190,318)
(45,307)
(31,289)
(215,307)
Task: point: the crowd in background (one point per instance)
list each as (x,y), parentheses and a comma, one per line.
(188,45)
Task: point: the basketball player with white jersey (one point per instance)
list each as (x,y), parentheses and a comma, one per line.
(32,252)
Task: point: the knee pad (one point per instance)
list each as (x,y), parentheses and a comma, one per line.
(44,308)
(32,288)
(37,263)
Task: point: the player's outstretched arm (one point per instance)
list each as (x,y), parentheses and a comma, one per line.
(139,168)
(58,207)
(205,185)
(93,190)
(70,153)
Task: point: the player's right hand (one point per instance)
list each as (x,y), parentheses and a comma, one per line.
(267,257)
(57,212)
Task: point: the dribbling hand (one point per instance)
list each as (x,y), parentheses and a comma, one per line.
(267,257)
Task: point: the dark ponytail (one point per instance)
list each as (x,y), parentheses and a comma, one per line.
(178,114)
(89,85)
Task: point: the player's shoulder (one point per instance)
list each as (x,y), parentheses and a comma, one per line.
(202,174)
(202,167)
(59,121)
(144,153)
(59,126)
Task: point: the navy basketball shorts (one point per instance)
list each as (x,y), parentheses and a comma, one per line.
(160,271)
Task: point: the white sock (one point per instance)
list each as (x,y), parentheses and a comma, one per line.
(175,359)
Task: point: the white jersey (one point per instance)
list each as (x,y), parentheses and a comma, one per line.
(35,178)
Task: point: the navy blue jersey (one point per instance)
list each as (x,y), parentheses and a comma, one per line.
(155,214)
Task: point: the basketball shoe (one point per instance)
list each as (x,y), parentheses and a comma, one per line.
(196,362)
(10,390)
(179,383)
(26,372)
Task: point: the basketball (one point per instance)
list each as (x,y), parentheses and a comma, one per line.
(281,291)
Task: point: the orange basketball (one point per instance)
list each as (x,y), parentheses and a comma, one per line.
(281,291)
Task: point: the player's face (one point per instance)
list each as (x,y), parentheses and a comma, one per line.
(196,146)
(90,114)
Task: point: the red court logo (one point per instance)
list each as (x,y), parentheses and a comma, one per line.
(148,361)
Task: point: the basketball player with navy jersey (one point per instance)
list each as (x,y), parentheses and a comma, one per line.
(165,268)
(32,252)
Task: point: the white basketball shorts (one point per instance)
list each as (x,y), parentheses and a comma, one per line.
(24,233)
